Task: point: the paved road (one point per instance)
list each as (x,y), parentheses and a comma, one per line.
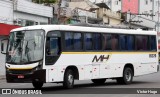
(89,89)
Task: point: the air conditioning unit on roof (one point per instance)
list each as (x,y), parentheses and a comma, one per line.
(17,22)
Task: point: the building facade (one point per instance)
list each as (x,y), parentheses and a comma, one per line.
(27,13)
(107,15)
(147,10)
(17,13)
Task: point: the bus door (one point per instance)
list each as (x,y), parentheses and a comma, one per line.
(53,51)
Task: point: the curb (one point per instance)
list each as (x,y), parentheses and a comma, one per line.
(2,77)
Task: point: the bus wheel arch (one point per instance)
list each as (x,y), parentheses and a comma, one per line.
(71,73)
(129,65)
(75,71)
(127,75)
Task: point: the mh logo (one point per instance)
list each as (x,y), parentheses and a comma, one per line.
(101,58)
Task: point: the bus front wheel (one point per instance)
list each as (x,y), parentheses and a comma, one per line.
(37,84)
(98,81)
(68,79)
(127,76)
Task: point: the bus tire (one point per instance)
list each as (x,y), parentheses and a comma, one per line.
(98,81)
(37,84)
(127,76)
(68,79)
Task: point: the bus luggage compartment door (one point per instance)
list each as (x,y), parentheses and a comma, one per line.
(88,71)
(95,71)
(52,75)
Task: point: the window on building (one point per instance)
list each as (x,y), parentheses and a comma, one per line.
(146,2)
(109,2)
(88,41)
(116,2)
(156,3)
(43,23)
(29,23)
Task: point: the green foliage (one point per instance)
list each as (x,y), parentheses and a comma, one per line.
(44,1)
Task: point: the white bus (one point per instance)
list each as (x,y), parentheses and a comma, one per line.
(63,53)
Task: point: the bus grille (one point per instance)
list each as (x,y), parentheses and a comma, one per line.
(28,71)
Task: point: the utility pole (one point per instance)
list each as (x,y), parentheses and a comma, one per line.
(158,17)
(59,10)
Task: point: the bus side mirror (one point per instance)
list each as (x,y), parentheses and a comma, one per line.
(4,46)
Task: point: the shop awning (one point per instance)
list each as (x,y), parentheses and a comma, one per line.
(6,28)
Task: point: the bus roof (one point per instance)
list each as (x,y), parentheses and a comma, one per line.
(47,28)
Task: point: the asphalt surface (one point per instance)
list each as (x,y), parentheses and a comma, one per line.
(88,89)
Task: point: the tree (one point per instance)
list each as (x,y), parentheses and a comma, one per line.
(44,1)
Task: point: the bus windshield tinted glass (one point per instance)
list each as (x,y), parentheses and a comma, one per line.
(25,47)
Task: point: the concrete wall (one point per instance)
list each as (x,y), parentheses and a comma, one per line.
(114,21)
(33,8)
(113,18)
(114,5)
(130,6)
(26,16)
(6,12)
(86,4)
(2,58)
(147,6)
(82,5)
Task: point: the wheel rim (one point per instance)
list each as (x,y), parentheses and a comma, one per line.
(128,75)
(70,79)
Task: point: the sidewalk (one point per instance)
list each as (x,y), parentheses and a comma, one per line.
(2,77)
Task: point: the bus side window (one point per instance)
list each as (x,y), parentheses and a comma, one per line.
(77,41)
(68,40)
(130,42)
(153,43)
(122,42)
(97,41)
(141,42)
(114,42)
(145,43)
(88,41)
(106,42)
(52,46)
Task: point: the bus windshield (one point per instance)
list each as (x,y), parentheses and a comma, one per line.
(25,47)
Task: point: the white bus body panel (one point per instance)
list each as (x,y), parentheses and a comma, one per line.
(111,68)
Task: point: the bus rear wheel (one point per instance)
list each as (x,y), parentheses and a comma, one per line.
(68,79)
(98,81)
(37,84)
(127,76)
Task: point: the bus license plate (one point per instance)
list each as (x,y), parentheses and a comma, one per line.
(20,76)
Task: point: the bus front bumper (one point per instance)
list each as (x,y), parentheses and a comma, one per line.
(26,78)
